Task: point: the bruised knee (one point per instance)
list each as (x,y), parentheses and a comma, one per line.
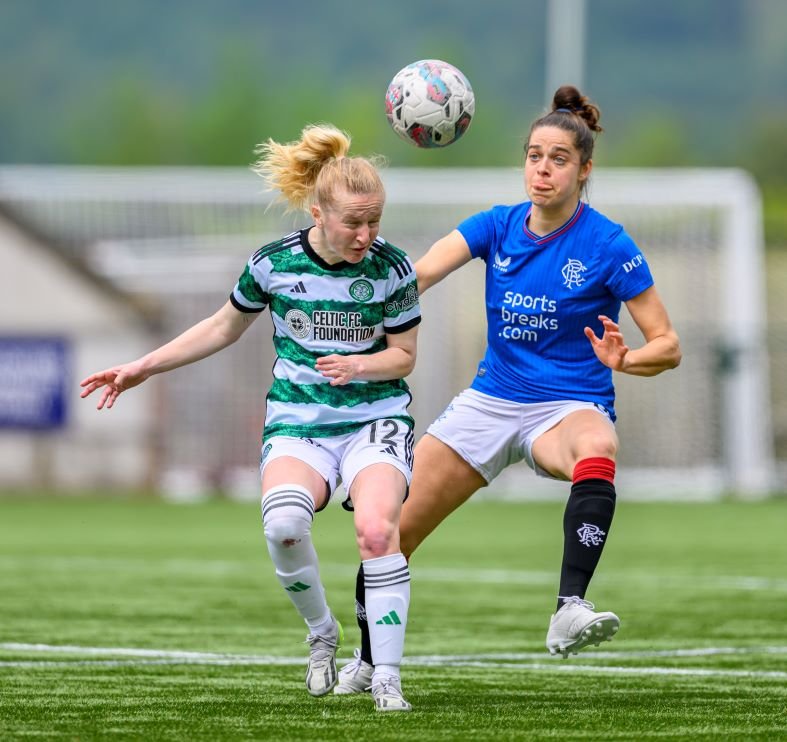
(377,539)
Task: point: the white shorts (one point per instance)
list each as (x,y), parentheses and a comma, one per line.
(491,433)
(338,459)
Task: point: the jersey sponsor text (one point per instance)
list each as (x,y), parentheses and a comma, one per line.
(346,327)
(524,325)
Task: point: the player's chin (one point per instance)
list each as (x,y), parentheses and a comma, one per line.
(356,256)
(540,198)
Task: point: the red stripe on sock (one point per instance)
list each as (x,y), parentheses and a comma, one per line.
(595,468)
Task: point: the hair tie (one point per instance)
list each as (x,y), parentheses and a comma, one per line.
(564,110)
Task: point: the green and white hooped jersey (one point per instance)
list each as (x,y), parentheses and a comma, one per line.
(319,309)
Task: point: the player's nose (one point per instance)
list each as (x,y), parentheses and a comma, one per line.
(362,235)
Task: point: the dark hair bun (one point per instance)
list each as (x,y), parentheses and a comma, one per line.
(567,97)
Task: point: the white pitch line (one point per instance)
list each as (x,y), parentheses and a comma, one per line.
(517,662)
(609,669)
(220,568)
(125,652)
(216,661)
(415,659)
(615,655)
(521,667)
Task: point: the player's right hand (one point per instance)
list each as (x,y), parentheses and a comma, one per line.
(114,380)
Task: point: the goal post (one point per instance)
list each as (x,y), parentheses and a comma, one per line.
(746,464)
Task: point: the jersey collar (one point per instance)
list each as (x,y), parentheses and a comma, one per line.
(543,239)
(312,253)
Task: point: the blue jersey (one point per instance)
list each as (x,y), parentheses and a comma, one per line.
(541,292)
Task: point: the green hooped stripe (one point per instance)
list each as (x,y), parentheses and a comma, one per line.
(250,289)
(348,395)
(289,350)
(286,261)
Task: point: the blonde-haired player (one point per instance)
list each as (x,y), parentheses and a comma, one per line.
(344,305)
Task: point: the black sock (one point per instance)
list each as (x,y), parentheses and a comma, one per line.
(586,523)
(360,616)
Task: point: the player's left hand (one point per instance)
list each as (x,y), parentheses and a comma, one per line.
(610,349)
(339,369)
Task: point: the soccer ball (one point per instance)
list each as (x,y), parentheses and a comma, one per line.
(429,103)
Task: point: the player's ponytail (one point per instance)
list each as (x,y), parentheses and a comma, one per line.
(311,169)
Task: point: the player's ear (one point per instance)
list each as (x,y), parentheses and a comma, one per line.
(584,171)
(316,215)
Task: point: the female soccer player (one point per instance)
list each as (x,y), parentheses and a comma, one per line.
(344,305)
(557,272)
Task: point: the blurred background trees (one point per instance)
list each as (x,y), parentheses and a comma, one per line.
(202,82)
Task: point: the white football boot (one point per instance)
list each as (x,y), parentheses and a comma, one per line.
(387,694)
(576,625)
(355,676)
(321,672)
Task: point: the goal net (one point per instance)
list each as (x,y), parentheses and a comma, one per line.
(696,432)
(180,238)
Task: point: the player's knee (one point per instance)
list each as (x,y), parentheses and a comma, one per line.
(598,445)
(375,539)
(287,514)
(286,529)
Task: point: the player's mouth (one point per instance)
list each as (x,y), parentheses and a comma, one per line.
(357,253)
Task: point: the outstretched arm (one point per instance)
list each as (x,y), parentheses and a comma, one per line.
(200,341)
(662,345)
(443,257)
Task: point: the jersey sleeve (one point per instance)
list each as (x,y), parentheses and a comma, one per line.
(249,295)
(402,310)
(629,273)
(479,233)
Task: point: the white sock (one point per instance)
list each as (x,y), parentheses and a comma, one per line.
(387,585)
(287,514)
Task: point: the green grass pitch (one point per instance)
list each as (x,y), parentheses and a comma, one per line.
(137,619)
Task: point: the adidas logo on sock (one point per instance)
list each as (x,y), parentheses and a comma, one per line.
(298,288)
(297,587)
(390,619)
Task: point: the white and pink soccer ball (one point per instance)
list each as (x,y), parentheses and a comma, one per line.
(429,103)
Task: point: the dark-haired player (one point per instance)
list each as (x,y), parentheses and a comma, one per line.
(557,272)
